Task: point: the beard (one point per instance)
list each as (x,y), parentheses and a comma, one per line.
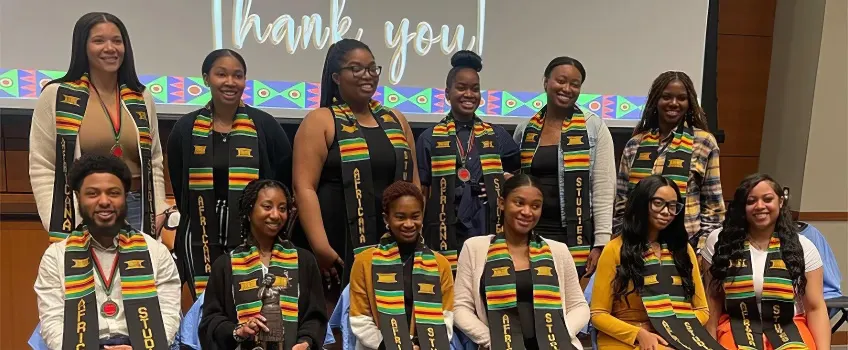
(97,228)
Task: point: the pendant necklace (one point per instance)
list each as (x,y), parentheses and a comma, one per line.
(462,173)
(115,121)
(108,309)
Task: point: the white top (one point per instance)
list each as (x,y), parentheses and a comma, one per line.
(812,261)
(50,291)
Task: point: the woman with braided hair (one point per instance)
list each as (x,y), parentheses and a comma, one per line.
(673,140)
(347,152)
(401,286)
(231,309)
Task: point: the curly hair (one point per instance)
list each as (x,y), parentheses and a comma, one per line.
(731,241)
(650,117)
(96,164)
(400,189)
(248,200)
(635,240)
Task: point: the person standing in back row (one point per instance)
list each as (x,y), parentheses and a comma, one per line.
(461,162)
(213,153)
(571,152)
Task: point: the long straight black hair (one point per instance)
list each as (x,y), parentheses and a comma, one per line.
(635,240)
(79,51)
(333,64)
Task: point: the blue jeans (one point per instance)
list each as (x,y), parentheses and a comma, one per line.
(134,213)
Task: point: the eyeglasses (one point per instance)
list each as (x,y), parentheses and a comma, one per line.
(658,204)
(359,71)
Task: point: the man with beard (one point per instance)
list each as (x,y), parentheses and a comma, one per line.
(106,286)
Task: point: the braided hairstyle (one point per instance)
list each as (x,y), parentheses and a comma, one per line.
(332,65)
(248,200)
(650,116)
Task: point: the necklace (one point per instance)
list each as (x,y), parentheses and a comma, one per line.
(462,173)
(115,120)
(109,308)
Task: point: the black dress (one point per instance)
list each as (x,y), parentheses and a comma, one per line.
(331,192)
(219,318)
(545,167)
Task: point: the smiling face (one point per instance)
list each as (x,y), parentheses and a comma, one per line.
(105,48)
(673,103)
(404,218)
(522,209)
(762,207)
(662,208)
(464,95)
(269,212)
(357,83)
(102,202)
(226,81)
(563,86)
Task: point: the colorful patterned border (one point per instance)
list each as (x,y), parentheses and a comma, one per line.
(27,84)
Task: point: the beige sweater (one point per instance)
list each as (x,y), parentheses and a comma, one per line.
(469,311)
(42,153)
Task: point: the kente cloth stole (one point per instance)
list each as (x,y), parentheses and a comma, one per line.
(138,290)
(248,276)
(427,314)
(440,216)
(502,299)
(71,101)
(778,302)
(243,161)
(574,143)
(678,157)
(356,169)
(670,312)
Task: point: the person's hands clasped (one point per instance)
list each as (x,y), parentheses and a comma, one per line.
(118,347)
(251,327)
(650,341)
(300,346)
(330,264)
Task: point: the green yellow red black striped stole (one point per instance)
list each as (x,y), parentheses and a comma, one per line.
(678,157)
(575,192)
(440,216)
(669,310)
(204,236)
(427,312)
(358,185)
(138,291)
(747,324)
(502,298)
(71,102)
(247,278)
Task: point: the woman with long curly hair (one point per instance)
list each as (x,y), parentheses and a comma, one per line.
(401,287)
(673,140)
(765,280)
(233,313)
(648,289)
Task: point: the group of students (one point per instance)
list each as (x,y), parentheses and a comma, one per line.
(468,231)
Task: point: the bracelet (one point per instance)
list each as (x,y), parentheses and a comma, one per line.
(238,338)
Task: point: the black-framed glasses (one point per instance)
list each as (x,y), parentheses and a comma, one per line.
(359,71)
(658,204)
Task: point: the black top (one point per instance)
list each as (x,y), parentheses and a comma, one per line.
(220,319)
(331,192)
(545,167)
(220,166)
(524,298)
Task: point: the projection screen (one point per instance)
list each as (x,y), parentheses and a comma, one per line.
(624,45)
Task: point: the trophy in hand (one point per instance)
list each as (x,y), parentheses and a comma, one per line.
(270,296)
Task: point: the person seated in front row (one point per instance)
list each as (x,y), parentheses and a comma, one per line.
(106,286)
(401,292)
(764,280)
(648,292)
(233,312)
(515,289)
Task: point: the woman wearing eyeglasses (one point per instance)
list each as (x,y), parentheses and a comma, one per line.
(648,292)
(347,152)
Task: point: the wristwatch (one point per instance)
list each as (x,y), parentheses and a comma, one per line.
(236,336)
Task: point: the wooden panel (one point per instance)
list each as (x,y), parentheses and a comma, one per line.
(22,243)
(742,88)
(18,203)
(823,216)
(17,175)
(733,170)
(4,170)
(746,17)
